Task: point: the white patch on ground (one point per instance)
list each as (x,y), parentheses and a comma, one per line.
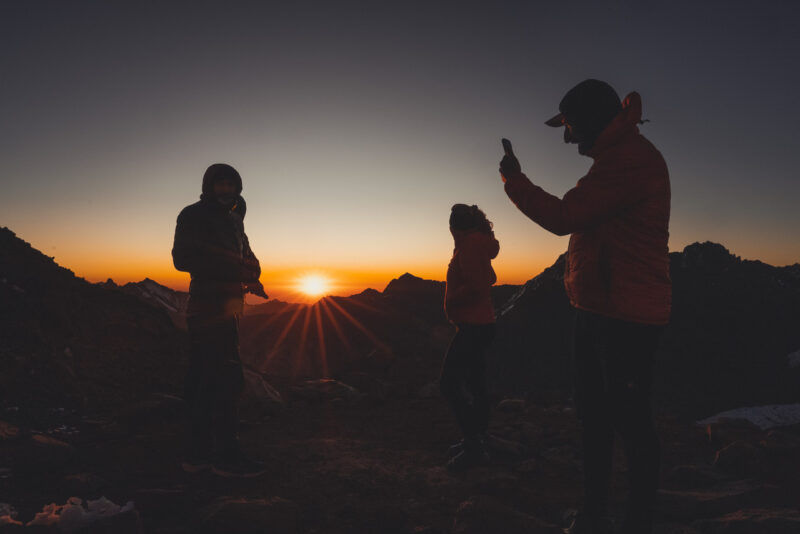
(763,417)
(73,515)
(794,359)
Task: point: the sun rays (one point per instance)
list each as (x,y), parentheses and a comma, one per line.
(309,333)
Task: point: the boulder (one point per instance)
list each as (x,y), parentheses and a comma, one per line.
(259,395)
(739,458)
(325,390)
(711,502)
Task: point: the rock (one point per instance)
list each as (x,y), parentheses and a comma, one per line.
(259,395)
(481,514)
(764,417)
(375,388)
(725,431)
(325,390)
(505,447)
(99,516)
(693,476)
(8,431)
(511,405)
(429,391)
(739,458)
(43,440)
(239,515)
(710,502)
(753,520)
(8,516)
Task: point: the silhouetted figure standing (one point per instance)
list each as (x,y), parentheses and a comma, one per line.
(211,245)
(468,304)
(617,279)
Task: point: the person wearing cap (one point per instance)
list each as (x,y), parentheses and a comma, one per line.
(211,245)
(617,279)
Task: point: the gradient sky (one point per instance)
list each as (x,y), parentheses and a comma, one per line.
(356,126)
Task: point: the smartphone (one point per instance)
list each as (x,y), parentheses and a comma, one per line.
(507,147)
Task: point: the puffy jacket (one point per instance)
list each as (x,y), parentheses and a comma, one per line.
(211,245)
(470,276)
(618,214)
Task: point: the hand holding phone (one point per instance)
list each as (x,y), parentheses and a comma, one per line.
(509,165)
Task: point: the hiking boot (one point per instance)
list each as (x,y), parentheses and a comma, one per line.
(238,466)
(584,524)
(472,454)
(195,463)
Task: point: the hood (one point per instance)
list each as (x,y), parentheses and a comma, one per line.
(220,171)
(475,238)
(623,124)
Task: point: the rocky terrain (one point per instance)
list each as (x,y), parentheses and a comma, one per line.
(342,405)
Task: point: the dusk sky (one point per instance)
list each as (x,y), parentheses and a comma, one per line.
(355,126)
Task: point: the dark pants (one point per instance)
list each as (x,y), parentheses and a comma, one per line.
(463,380)
(214,383)
(613,379)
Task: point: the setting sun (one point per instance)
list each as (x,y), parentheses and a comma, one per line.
(314,285)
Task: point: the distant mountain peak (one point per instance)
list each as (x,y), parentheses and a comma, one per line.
(708,256)
(408,283)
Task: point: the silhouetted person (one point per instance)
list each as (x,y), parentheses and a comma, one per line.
(617,279)
(468,304)
(211,245)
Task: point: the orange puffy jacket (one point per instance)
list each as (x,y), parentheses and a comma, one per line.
(618,215)
(470,277)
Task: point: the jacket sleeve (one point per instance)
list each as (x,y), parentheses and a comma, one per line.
(599,195)
(190,253)
(252,268)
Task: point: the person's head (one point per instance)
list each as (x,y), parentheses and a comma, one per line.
(222,183)
(465,218)
(585,111)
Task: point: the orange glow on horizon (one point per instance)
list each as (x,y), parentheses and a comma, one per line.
(297,285)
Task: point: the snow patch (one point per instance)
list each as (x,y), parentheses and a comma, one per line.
(763,417)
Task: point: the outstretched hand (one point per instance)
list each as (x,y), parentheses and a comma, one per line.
(509,166)
(256,288)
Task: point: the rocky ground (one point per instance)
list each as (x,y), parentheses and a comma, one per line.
(90,407)
(345,462)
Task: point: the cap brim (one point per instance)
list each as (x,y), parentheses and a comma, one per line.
(556,121)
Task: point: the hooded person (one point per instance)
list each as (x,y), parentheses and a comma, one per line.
(211,245)
(617,280)
(468,305)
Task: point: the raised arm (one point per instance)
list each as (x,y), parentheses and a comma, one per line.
(598,196)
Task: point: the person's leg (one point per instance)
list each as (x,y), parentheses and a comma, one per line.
(631,351)
(592,408)
(198,383)
(230,385)
(476,378)
(453,379)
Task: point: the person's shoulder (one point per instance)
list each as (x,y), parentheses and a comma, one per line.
(191,211)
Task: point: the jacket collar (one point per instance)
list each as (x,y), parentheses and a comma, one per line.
(623,125)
